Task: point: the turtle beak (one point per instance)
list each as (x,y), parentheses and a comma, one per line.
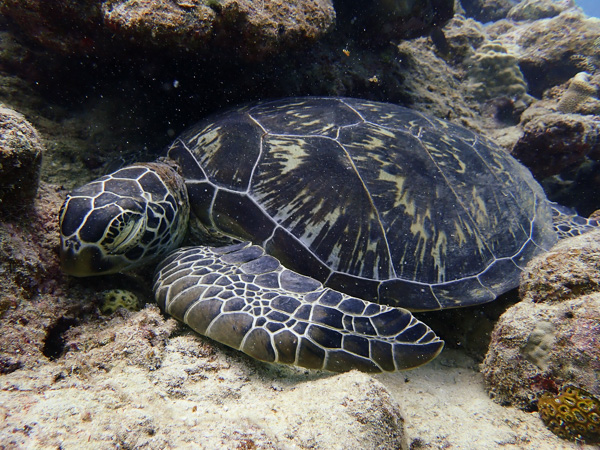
(84,262)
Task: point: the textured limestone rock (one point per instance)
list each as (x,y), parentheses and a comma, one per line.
(568,271)
(20,160)
(32,297)
(552,337)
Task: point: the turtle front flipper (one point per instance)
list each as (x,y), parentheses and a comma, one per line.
(245,299)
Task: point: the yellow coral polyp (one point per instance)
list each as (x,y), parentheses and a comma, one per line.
(573,414)
(118,298)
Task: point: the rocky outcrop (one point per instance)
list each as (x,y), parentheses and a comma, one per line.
(21,152)
(552,142)
(487,10)
(552,337)
(249,29)
(554,50)
(539,9)
(495,73)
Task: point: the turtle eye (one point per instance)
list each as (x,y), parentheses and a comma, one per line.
(124,232)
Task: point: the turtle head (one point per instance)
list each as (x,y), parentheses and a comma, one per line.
(123,220)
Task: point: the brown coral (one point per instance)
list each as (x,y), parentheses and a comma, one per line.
(580,90)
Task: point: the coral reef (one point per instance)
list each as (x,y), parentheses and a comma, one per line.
(579,92)
(552,337)
(495,73)
(552,142)
(536,9)
(487,10)
(21,152)
(71,376)
(573,414)
(551,51)
(245,27)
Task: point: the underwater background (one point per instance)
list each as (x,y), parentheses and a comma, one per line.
(88,87)
(590,7)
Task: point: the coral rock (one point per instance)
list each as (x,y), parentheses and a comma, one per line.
(20,160)
(552,337)
(487,10)
(552,142)
(495,73)
(254,27)
(571,269)
(554,50)
(580,93)
(536,9)
(248,28)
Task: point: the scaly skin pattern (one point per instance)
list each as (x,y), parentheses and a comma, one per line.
(245,299)
(568,224)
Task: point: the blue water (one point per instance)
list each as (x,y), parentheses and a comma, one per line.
(590,7)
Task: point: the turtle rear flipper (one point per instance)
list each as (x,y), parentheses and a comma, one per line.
(245,299)
(568,223)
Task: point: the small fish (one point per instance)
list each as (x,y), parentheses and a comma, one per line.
(439,40)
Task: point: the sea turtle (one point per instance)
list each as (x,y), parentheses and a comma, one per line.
(380,204)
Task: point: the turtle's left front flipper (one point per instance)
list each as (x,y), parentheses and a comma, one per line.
(245,299)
